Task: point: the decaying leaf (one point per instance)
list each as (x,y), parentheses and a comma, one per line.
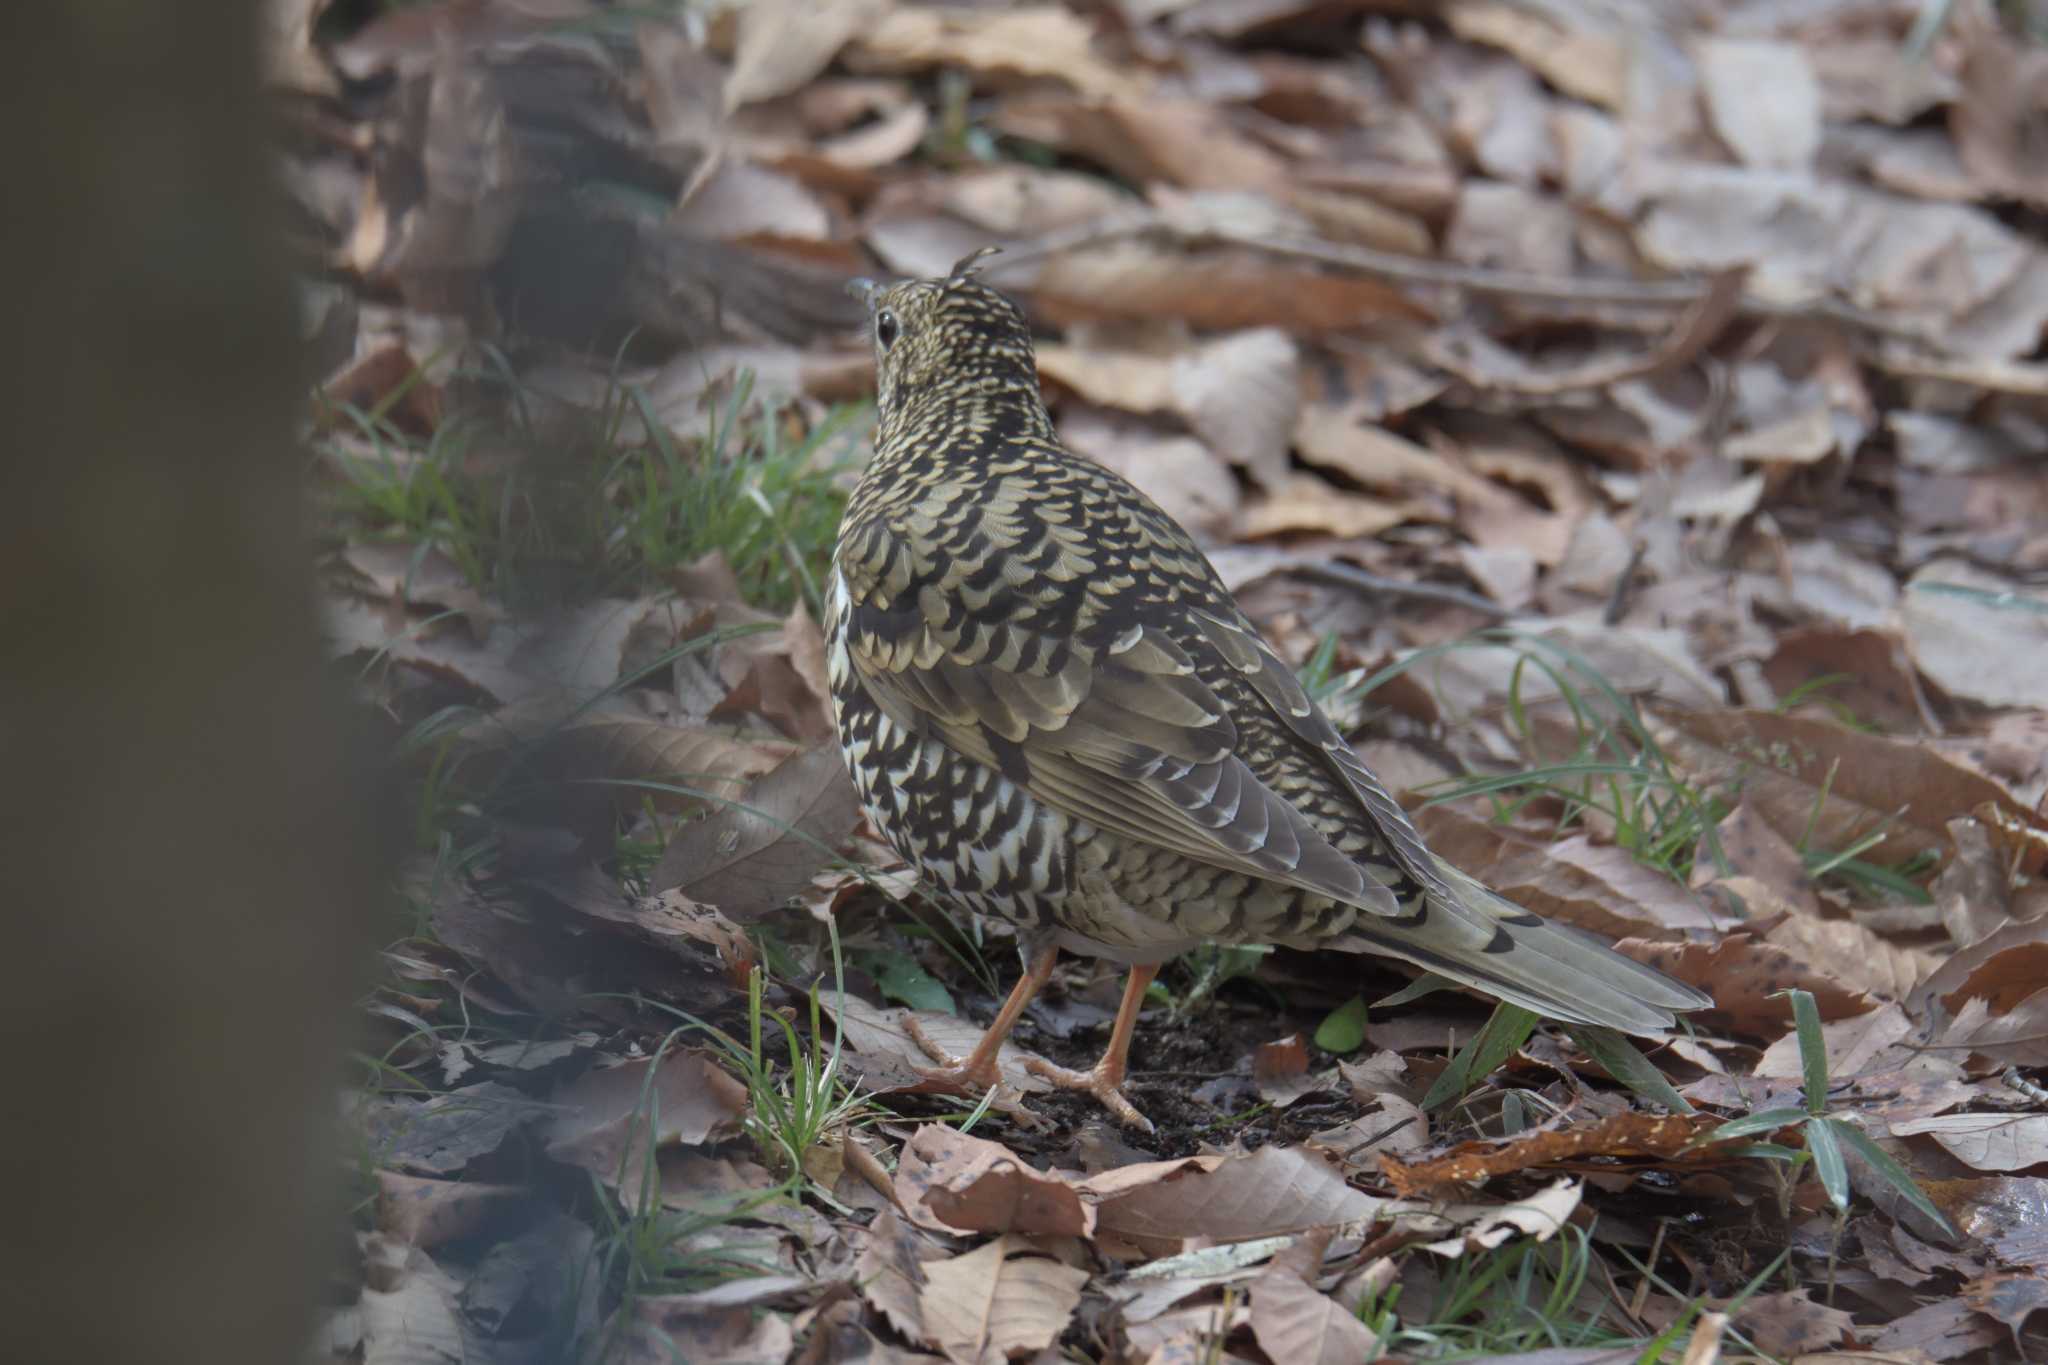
(999,1300)
(749,856)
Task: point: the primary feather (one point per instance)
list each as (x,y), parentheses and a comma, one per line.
(1053,708)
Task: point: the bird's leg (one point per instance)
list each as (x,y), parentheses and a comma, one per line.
(1105,1079)
(977,1071)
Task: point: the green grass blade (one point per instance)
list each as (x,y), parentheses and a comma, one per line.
(1893,1174)
(1827,1161)
(1508,1028)
(1623,1061)
(1764,1121)
(1813,1051)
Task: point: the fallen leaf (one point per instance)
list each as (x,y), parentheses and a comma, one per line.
(426,1213)
(1988,1142)
(1763,99)
(1293,1322)
(1269,1191)
(748,857)
(1981,643)
(952,1182)
(998,1300)
(782,44)
(605,1119)
(410,1308)
(1789,1323)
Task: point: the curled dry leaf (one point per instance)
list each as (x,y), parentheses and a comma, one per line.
(952,1182)
(1542,1215)
(749,856)
(410,1308)
(1159,1205)
(999,1300)
(604,1119)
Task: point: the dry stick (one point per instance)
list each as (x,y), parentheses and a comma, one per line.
(1392,265)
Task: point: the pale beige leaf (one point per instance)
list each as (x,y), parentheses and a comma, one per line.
(1763,99)
(1292,1322)
(1985,644)
(1988,1142)
(749,856)
(782,44)
(997,1301)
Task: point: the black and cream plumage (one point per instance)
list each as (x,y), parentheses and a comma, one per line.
(1053,709)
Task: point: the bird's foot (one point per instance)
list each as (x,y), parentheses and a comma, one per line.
(970,1075)
(1102,1081)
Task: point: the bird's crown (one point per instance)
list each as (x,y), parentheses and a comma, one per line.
(950,339)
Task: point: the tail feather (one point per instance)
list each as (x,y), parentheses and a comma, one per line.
(1479,938)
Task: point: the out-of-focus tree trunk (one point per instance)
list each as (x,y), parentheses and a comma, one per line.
(187,864)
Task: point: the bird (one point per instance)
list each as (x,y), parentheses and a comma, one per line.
(1054,711)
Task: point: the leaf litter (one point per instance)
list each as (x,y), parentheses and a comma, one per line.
(1632,427)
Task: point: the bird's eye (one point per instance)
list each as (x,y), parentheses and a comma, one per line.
(886,328)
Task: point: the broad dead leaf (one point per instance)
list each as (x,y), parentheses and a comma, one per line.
(1988,1142)
(1293,1322)
(1842,783)
(605,1118)
(1269,1191)
(749,856)
(1985,642)
(999,1300)
(950,1181)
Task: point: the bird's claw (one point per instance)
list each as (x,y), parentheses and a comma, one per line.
(1100,1081)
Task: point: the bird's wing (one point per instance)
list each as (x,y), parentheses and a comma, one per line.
(1126,735)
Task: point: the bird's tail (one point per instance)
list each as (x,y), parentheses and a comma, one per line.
(1479,938)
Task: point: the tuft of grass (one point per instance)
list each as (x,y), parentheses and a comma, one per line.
(611,501)
(1827,1135)
(1524,1296)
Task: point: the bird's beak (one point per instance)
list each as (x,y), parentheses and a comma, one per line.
(865,290)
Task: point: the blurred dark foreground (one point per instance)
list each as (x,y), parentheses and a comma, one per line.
(189,867)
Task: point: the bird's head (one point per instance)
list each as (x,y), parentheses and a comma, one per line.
(944,339)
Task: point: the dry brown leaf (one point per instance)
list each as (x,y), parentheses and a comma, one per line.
(1745,976)
(1293,1322)
(1183,142)
(410,1308)
(1987,1142)
(952,1182)
(606,1116)
(1986,647)
(886,1059)
(662,1330)
(2002,968)
(426,1213)
(1783,764)
(633,752)
(1846,951)
(2018,1037)
(890,1271)
(1269,1191)
(1029,40)
(782,44)
(748,857)
(1571,48)
(998,1300)
(1595,887)
(1863,670)
(1484,1226)
(1309,505)
(1763,99)
(1217,288)
(1789,1323)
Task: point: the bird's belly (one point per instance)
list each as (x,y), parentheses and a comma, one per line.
(984,843)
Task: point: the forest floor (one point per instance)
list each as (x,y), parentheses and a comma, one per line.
(1629,420)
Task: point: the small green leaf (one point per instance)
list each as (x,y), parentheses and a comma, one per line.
(1827,1161)
(1621,1059)
(1763,1121)
(903,981)
(1895,1175)
(1813,1051)
(1768,1151)
(1343,1028)
(1507,1029)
